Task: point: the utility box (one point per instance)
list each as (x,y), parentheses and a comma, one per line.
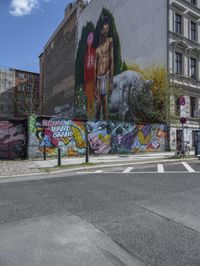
(197,143)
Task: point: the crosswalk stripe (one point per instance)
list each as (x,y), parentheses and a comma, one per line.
(98,171)
(128,170)
(161,168)
(188,167)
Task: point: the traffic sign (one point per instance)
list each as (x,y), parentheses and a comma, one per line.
(183,120)
(182,100)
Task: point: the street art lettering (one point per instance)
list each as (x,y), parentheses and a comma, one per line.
(53,133)
(12,139)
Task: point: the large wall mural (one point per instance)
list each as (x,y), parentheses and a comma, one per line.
(54,133)
(105,89)
(112,137)
(13,139)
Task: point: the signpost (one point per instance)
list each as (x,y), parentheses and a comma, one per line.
(182,118)
(182,100)
(197,114)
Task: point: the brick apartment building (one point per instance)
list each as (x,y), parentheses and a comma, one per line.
(27,99)
(19,93)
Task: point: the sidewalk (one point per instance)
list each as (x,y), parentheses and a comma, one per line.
(59,239)
(29,167)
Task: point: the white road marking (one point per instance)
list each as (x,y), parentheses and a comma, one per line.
(161,168)
(128,170)
(98,171)
(188,167)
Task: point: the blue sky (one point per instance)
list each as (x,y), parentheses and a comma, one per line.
(25,27)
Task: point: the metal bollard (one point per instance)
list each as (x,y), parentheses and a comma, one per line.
(45,153)
(87,154)
(59,157)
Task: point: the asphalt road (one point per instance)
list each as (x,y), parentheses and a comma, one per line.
(152,210)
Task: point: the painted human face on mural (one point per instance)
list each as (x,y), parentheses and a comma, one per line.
(105,30)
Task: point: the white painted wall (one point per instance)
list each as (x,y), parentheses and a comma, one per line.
(142,27)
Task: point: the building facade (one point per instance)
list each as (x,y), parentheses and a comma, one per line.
(27,98)
(162,33)
(7,84)
(20,93)
(184,65)
(57,64)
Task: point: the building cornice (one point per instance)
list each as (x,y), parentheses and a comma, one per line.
(186,82)
(190,5)
(180,38)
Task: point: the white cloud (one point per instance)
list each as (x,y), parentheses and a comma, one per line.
(24,7)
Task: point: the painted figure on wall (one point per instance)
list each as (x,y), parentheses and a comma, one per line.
(90,75)
(104,69)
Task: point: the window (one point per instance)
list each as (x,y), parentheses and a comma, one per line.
(177,106)
(193,30)
(194,2)
(22,87)
(193,68)
(178,63)
(178,23)
(193,106)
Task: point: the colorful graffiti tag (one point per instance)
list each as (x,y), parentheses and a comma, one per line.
(111,137)
(13,139)
(52,134)
(104,137)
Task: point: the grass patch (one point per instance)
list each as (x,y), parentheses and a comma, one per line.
(66,167)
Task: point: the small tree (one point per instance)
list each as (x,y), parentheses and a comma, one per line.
(162,90)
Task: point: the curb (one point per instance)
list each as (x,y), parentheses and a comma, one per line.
(72,170)
(122,164)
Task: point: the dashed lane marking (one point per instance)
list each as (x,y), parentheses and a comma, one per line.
(188,167)
(161,168)
(98,172)
(128,170)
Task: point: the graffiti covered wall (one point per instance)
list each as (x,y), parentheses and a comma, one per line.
(111,137)
(54,133)
(13,139)
(103,137)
